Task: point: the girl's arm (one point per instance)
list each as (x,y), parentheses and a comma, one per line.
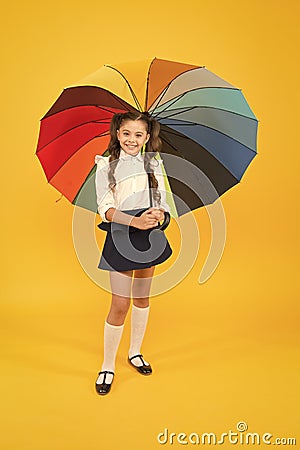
(105,198)
(145,221)
(115,215)
(106,202)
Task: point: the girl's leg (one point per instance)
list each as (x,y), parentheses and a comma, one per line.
(121,283)
(114,324)
(140,311)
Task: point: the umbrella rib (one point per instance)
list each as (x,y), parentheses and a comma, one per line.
(174,112)
(189,108)
(84,123)
(179,97)
(168,131)
(72,129)
(105,133)
(71,156)
(123,103)
(147,84)
(183,157)
(213,129)
(166,140)
(170,104)
(170,82)
(107,108)
(130,88)
(172,146)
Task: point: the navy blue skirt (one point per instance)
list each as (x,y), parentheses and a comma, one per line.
(124,250)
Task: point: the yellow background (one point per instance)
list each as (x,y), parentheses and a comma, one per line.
(222,352)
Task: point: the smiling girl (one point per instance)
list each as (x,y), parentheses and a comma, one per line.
(123,197)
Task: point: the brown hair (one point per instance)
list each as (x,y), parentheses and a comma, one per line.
(153,145)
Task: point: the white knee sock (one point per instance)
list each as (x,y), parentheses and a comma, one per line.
(139,319)
(112,337)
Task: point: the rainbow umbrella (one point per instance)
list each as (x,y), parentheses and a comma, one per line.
(203,118)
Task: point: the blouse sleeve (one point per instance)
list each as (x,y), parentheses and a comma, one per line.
(161,185)
(105,198)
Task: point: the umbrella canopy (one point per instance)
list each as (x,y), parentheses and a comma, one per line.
(203,118)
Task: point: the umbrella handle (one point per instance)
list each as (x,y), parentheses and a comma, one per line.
(165,223)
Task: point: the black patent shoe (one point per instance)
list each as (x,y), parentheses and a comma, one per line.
(143,369)
(104,388)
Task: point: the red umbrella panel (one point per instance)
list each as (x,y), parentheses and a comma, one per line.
(72,132)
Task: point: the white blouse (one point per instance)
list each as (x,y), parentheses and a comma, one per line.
(132,189)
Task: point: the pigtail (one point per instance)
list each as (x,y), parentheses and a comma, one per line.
(153,146)
(114,149)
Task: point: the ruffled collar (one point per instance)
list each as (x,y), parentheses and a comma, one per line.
(124,155)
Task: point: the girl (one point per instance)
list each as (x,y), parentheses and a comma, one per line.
(124,198)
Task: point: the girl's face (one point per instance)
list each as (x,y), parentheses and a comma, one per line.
(132,135)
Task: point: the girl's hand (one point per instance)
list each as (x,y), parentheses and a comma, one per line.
(158,213)
(148,219)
